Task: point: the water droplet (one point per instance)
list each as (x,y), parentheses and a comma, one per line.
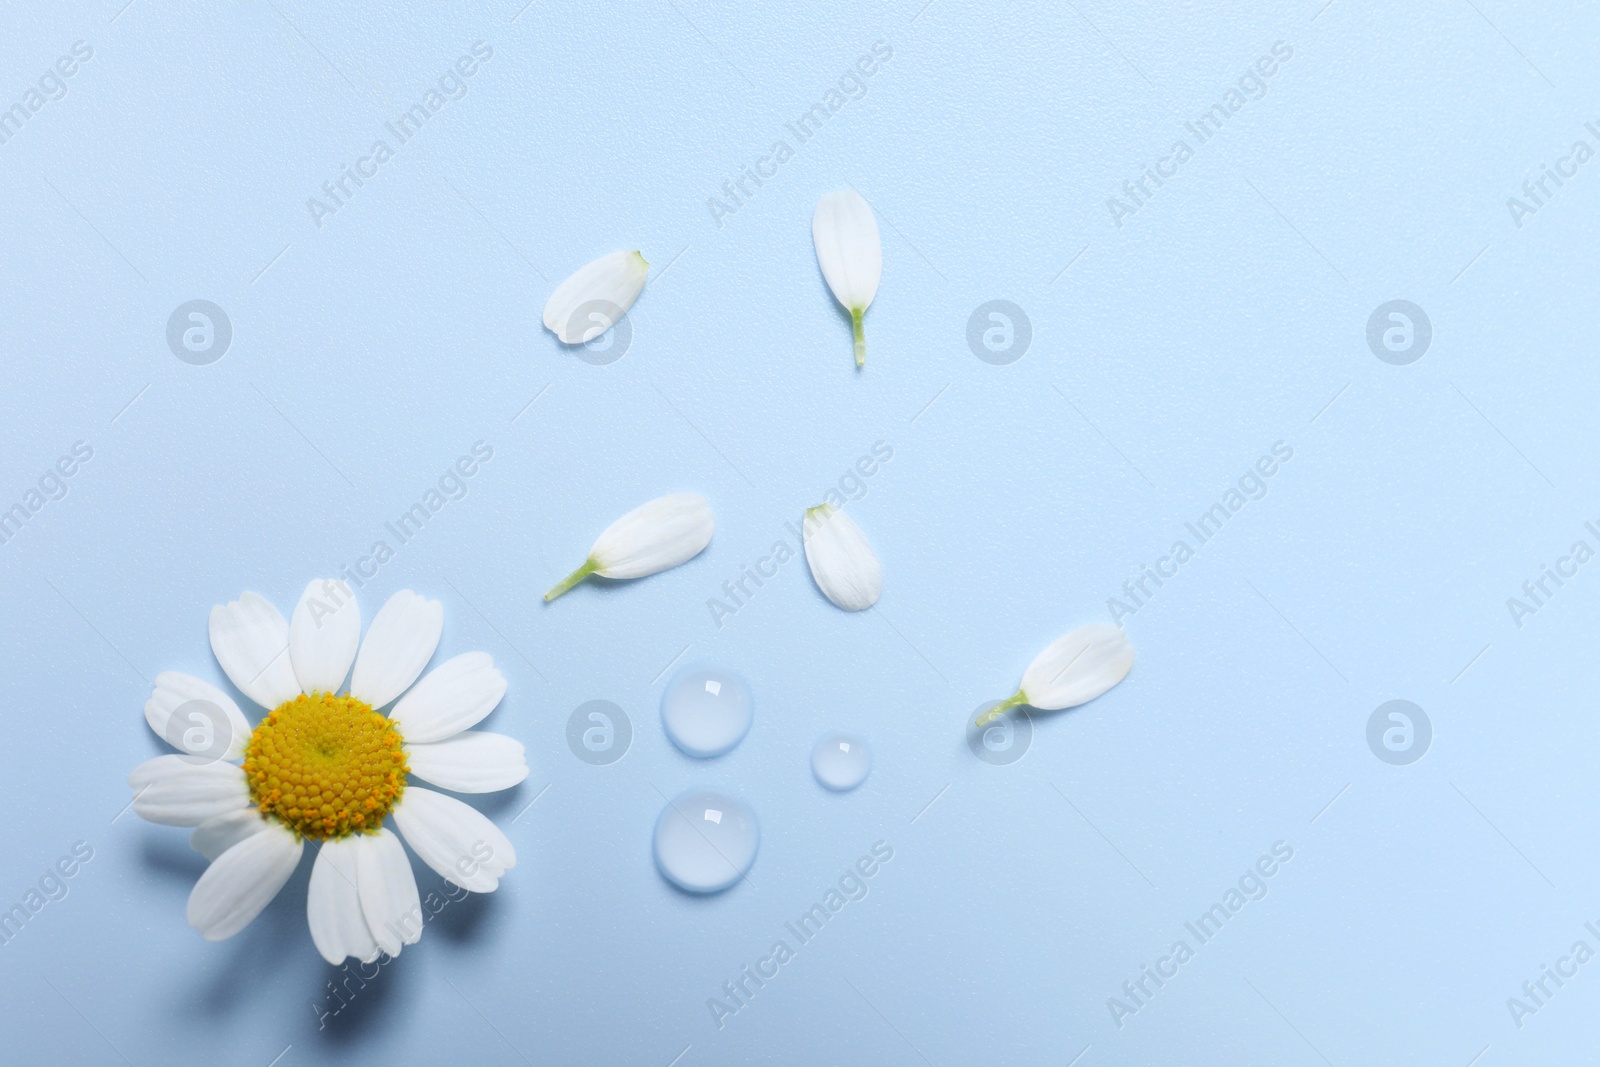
(841,761)
(705,841)
(706,711)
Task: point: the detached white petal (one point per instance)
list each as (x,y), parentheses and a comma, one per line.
(590,302)
(1073,670)
(842,561)
(653,537)
(850,254)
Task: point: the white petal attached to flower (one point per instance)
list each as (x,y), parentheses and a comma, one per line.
(217,835)
(476,761)
(242,881)
(399,643)
(176,791)
(653,537)
(590,302)
(173,690)
(1073,670)
(388,891)
(323,634)
(455,839)
(250,639)
(333,904)
(850,254)
(455,695)
(841,559)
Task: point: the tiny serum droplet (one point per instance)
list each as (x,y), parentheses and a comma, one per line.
(841,761)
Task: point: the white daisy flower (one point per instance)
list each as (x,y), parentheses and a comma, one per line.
(330,769)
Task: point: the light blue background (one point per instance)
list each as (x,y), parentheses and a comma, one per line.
(1226,315)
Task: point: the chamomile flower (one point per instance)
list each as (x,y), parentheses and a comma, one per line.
(329,768)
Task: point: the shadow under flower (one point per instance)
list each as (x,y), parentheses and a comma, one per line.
(357,997)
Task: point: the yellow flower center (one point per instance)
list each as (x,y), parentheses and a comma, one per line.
(326,766)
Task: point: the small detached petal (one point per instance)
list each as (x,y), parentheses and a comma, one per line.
(842,561)
(652,537)
(591,301)
(850,254)
(1074,670)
